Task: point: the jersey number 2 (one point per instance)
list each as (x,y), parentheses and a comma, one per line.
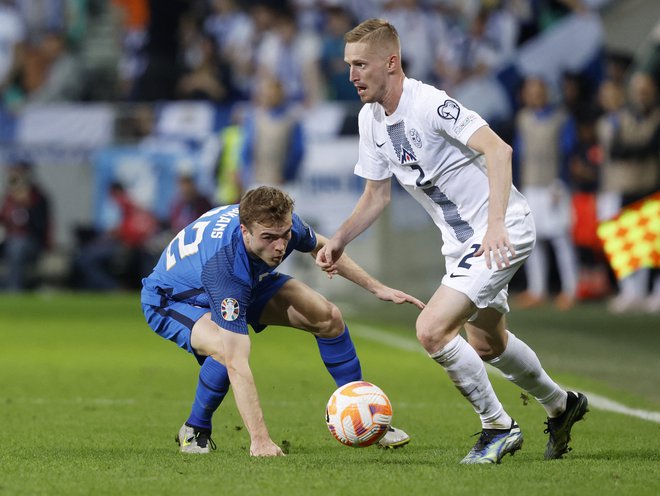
(186,249)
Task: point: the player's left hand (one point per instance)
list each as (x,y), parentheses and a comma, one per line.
(394,295)
(496,247)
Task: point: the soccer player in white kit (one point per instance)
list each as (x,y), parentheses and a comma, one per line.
(459,170)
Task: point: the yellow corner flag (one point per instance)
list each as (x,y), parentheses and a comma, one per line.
(631,240)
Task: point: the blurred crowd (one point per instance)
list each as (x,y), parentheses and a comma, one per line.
(583,149)
(217,50)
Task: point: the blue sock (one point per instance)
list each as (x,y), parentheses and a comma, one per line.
(211,389)
(339,356)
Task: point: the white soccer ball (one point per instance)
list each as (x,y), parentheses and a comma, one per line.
(358,414)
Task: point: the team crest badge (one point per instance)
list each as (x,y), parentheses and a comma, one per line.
(407,156)
(416,138)
(229,309)
(450,110)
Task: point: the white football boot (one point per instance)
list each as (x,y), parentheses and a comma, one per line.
(393,438)
(195,441)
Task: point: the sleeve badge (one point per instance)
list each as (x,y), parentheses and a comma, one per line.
(229,309)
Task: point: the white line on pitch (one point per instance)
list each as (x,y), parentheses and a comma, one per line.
(595,401)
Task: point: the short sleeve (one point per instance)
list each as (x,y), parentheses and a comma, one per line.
(449,116)
(371,164)
(229,295)
(302,235)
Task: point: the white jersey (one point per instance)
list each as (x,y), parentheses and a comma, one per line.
(424,145)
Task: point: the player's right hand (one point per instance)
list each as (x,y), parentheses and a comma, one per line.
(265,448)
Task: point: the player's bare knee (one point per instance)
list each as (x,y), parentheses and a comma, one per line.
(433,336)
(331,323)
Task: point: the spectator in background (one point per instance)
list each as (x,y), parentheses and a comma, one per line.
(228,165)
(24,225)
(292,57)
(188,205)
(611,100)
(234,34)
(617,66)
(552,11)
(161,51)
(273,144)
(420,34)
(12,47)
(133,37)
(43,16)
(577,97)
(632,171)
(651,60)
(62,78)
(539,127)
(99,49)
(467,54)
(205,75)
(584,161)
(116,258)
(335,71)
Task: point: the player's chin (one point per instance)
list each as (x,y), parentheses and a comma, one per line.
(275,261)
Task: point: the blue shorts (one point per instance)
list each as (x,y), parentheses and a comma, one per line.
(176,320)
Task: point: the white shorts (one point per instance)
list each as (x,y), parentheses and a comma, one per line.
(488,288)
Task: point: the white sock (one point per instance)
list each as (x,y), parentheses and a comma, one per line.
(521,366)
(468,373)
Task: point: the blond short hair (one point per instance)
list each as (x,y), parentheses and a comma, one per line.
(376,33)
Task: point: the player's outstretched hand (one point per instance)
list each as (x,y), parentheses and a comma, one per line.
(390,294)
(265,448)
(496,247)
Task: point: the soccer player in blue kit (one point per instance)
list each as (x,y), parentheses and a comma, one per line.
(447,157)
(217,276)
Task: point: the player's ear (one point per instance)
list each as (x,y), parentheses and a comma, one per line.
(392,61)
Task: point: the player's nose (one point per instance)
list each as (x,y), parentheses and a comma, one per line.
(352,75)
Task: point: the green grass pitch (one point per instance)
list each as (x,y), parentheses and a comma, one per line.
(91,398)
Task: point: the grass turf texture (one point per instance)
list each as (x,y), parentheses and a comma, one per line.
(91,400)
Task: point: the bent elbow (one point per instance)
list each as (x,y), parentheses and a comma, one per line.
(505,151)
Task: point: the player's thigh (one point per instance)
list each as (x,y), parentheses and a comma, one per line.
(297,305)
(205,338)
(442,318)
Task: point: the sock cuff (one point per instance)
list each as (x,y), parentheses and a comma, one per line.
(344,334)
(450,349)
(212,363)
(337,350)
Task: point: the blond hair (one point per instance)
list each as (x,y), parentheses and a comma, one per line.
(376,33)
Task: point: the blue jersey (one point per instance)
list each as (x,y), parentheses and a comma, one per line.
(207,265)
